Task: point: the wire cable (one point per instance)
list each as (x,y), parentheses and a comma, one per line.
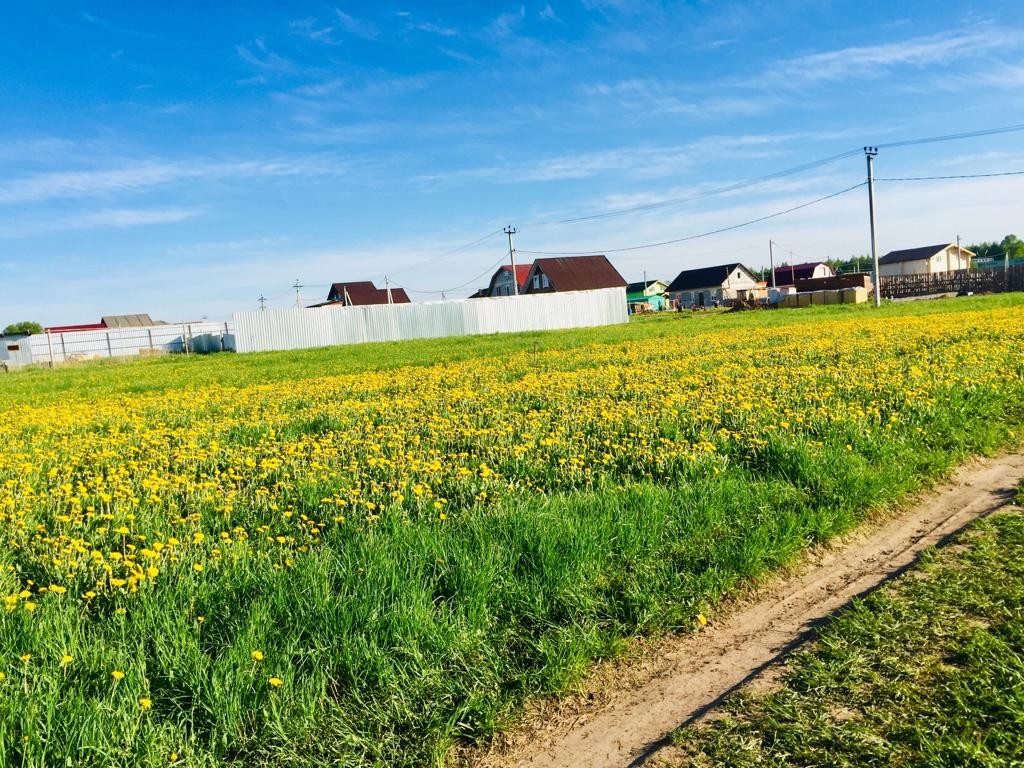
(702,234)
(953,136)
(698,195)
(963,176)
(468,282)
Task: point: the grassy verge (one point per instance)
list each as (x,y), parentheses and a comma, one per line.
(367,568)
(928,671)
(132,376)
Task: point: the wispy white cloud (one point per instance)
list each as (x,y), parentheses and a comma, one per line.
(876,60)
(357,27)
(107,218)
(313,30)
(507,23)
(436,29)
(547,12)
(52,185)
(257,54)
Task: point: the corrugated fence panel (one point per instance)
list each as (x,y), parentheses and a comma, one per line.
(127,342)
(267,330)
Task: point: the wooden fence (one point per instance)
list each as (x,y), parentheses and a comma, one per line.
(961,281)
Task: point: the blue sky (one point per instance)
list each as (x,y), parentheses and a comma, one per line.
(181,159)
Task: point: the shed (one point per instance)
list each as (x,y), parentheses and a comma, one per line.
(925,260)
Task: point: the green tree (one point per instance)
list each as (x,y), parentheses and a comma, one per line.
(26,327)
(1013,246)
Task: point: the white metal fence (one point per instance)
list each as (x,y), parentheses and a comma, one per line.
(70,346)
(265,330)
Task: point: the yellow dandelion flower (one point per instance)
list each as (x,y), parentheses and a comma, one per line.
(276,682)
(66,659)
(117,674)
(145,704)
(257,655)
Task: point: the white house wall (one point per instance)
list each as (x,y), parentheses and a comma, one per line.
(266,330)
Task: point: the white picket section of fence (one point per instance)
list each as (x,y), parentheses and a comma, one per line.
(277,329)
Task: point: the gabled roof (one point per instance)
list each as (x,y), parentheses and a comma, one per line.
(705,277)
(578,273)
(642,285)
(522,274)
(788,274)
(127,321)
(363,293)
(918,254)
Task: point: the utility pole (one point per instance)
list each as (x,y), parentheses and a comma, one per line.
(387,287)
(263,303)
(771,262)
(298,294)
(870,152)
(510,230)
(792,272)
(348,301)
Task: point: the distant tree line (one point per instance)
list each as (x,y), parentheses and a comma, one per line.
(1010,245)
(25,327)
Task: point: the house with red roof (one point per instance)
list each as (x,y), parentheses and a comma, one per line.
(363,293)
(572,273)
(502,283)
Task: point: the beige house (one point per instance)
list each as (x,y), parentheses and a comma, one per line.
(703,286)
(927,260)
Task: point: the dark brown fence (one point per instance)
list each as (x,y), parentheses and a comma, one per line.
(962,281)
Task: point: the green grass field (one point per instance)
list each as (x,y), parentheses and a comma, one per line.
(928,671)
(369,555)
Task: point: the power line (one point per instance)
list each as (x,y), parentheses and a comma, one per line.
(702,234)
(963,176)
(463,285)
(952,136)
(698,195)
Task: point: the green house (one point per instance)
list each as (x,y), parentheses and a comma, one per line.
(651,293)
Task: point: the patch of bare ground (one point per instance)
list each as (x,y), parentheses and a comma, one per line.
(622,713)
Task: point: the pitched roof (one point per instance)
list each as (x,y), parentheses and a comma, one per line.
(788,274)
(917,254)
(579,273)
(704,277)
(642,285)
(522,273)
(127,321)
(364,293)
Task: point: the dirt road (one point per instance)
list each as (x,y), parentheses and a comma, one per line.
(631,708)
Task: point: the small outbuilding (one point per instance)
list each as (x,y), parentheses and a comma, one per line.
(926,260)
(790,274)
(647,295)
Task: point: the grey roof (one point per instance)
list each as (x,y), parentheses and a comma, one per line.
(917,254)
(705,277)
(640,285)
(127,321)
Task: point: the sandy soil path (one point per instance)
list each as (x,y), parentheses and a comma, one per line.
(630,709)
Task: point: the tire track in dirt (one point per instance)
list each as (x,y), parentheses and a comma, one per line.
(618,726)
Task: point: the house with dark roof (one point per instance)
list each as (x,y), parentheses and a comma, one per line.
(788,274)
(363,293)
(926,260)
(647,294)
(702,286)
(572,273)
(502,283)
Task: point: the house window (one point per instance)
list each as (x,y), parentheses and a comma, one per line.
(544,281)
(536,282)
